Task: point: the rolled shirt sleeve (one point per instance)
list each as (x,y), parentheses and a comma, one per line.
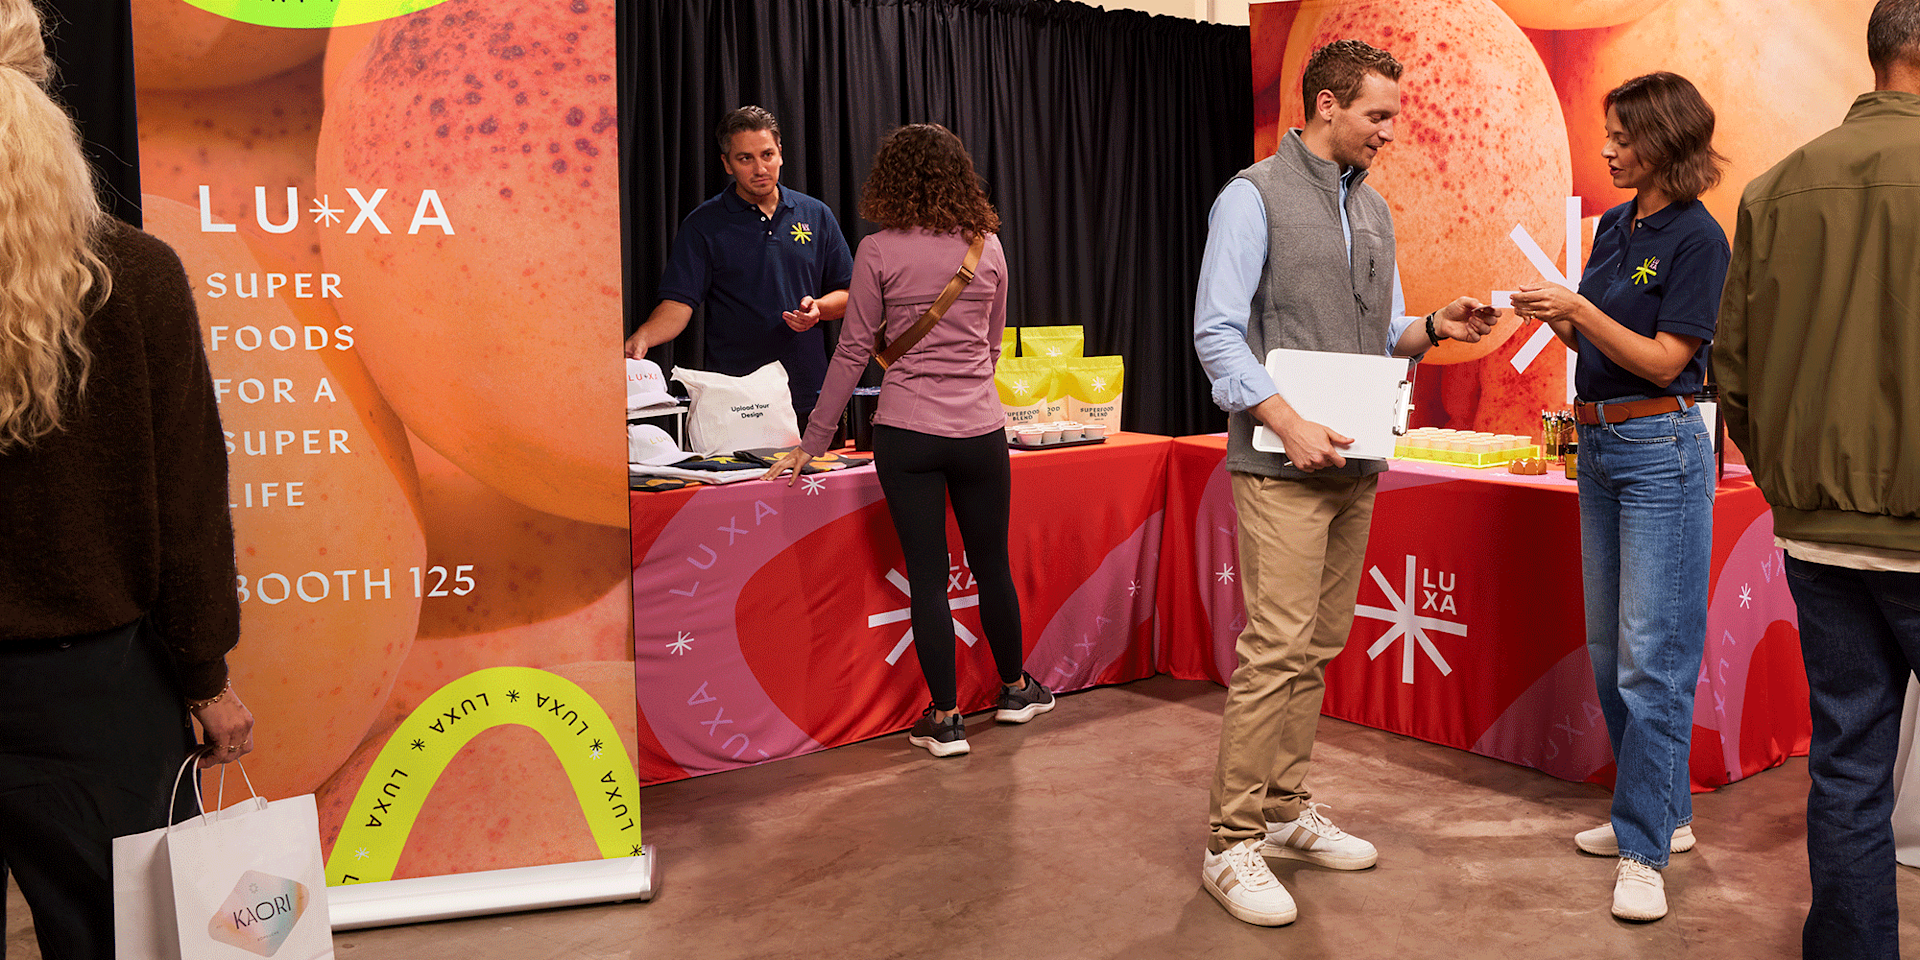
(1230,270)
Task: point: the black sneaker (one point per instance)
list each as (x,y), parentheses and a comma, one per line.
(942,738)
(1019,706)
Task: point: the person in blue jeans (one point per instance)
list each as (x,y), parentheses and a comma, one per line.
(1641,323)
(1819,373)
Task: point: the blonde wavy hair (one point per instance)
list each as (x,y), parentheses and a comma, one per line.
(51,280)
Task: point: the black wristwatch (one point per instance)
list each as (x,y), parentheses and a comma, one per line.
(1432,334)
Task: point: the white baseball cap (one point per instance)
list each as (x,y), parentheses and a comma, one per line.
(646,386)
(648,444)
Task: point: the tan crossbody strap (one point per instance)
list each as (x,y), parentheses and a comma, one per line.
(890,353)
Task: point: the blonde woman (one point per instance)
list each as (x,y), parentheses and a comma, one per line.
(117,601)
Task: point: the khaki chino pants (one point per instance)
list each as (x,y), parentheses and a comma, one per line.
(1303,544)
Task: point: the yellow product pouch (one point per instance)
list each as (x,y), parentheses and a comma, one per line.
(1009,341)
(1093,387)
(1053,341)
(1024,384)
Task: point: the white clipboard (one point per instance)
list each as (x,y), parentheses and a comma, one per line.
(1364,397)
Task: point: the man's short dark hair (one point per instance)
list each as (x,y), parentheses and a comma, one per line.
(746,120)
(1341,66)
(1893,34)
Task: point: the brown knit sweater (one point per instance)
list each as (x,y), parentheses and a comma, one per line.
(123,512)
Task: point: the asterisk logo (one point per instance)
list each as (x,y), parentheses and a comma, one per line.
(513,696)
(419,745)
(813,485)
(1099,383)
(596,748)
(1224,574)
(802,234)
(636,851)
(898,614)
(1746,596)
(325,213)
(1647,270)
(1053,351)
(362,853)
(1408,623)
(1133,588)
(681,644)
(1020,385)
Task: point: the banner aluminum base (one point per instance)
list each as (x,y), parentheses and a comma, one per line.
(358,906)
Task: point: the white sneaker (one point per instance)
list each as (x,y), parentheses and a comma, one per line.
(1316,840)
(1243,883)
(1638,892)
(1601,842)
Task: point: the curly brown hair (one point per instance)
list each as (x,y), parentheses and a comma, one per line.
(923,177)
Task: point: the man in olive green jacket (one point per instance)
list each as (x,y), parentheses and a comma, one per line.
(1817,356)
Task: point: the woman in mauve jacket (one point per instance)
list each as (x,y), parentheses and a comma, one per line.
(939,429)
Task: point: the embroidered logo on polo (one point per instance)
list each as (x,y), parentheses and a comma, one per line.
(1647,270)
(802,233)
(260,914)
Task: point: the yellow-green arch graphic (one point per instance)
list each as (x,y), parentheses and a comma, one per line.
(311,13)
(397,785)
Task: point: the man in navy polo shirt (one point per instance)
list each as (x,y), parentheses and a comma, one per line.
(769,262)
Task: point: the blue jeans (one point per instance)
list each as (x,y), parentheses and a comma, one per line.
(1646,527)
(1860,635)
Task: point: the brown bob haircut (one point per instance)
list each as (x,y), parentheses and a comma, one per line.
(1671,126)
(924,178)
(1340,67)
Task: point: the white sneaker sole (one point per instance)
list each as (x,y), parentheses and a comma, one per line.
(1247,914)
(1683,840)
(937,748)
(1331,861)
(1025,713)
(1637,917)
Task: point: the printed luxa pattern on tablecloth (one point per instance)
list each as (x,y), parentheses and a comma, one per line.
(773,621)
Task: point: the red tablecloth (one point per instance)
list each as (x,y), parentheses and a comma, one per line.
(771,621)
(1469,630)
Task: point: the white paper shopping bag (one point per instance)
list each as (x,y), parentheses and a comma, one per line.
(245,882)
(143,927)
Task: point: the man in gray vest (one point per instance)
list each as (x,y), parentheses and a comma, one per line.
(1299,255)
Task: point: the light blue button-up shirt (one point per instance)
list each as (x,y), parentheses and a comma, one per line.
(1229,274)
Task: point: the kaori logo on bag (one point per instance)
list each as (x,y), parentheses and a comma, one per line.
(260,914)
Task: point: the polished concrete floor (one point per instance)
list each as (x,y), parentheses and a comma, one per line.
(1080,836)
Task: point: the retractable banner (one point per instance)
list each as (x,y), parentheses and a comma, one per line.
(401,223)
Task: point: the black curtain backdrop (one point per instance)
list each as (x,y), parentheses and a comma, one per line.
(91,42)
(1103,138)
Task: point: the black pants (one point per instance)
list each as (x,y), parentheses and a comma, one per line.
(919,472)
(92,731)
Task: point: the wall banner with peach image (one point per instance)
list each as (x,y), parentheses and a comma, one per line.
(401,222)
(1495,176)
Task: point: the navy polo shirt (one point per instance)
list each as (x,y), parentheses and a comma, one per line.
(1664,274)
(748,268)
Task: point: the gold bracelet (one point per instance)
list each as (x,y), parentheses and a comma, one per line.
(210,701)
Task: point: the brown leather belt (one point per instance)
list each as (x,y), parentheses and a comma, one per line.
(1592,414)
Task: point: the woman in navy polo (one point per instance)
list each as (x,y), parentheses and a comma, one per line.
(1641,322)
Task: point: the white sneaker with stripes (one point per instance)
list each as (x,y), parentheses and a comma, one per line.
(1246,886)
(1316,840)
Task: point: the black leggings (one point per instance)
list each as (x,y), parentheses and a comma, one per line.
(919,472)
